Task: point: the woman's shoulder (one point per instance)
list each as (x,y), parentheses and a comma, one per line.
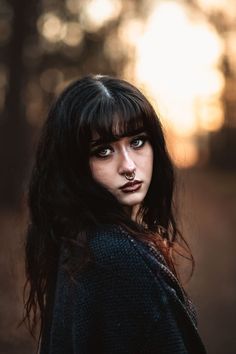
(115,262)
(115,252)
(112,245)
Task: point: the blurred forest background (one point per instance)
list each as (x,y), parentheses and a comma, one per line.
(182,54)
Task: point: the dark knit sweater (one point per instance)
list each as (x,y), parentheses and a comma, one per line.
(126,302)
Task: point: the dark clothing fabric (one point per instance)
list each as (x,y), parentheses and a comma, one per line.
(126,302)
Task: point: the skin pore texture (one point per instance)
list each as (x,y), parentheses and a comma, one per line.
(109,162)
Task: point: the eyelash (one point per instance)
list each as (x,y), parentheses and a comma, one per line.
(97,152)
(143,138)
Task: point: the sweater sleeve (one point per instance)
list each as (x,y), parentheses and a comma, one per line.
(117,306)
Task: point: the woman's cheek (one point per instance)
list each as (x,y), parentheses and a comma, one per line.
(99,172)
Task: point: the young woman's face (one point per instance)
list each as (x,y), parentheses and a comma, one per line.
(124,168)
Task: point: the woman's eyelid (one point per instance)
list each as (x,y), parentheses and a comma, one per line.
(142,137)
(96,151)
(99,149)
(102,147)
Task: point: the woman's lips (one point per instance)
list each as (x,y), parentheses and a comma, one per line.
(132,188)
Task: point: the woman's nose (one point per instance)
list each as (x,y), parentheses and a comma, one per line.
(126,163)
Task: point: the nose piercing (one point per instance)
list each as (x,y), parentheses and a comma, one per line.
(130,176)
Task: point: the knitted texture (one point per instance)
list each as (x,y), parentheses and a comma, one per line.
(121,304)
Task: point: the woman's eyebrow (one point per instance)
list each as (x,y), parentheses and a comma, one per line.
(134,132)
(101,141)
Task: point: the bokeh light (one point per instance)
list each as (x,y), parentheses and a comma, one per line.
(95,13)
(226,7)
(184,153)
(73,35)
(51,27)
(130,31)
(73,6)
(178,62)
(230,40)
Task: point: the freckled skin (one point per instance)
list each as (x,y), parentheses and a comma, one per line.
(123,156)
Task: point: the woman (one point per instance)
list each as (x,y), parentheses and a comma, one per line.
(100,245)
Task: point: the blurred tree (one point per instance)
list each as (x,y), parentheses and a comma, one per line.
(222,143)
(14,132)
(50,43)
(47,43)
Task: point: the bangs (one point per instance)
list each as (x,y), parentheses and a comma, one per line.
(112,119)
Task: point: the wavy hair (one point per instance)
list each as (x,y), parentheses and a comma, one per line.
(64,200)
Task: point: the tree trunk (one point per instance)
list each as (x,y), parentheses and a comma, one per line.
(14,129)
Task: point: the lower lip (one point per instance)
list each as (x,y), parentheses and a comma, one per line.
(132,189)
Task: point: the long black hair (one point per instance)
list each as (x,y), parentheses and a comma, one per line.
(65,201)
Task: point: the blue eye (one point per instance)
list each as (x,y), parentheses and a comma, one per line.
(138,142)
(102,152)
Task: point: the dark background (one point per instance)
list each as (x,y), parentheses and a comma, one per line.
(33,68)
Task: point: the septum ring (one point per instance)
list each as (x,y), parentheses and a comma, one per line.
(129,176)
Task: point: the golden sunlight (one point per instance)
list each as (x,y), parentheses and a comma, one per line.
(95,13)
(184,153)
(177,63)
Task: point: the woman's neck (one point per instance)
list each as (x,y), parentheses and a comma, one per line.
(132,211)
